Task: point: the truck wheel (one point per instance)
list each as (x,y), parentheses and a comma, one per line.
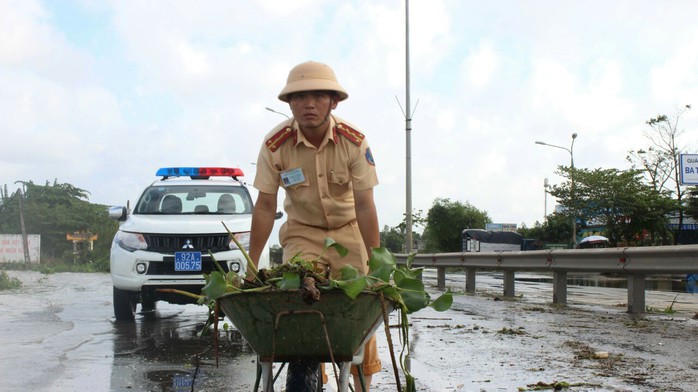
(124,305)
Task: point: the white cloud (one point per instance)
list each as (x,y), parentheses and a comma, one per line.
(193,61)
(482,65)
(184,82)
(30,43)
(676,78)
(430,32)
(24,34)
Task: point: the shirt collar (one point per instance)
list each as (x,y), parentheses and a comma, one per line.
(329,135)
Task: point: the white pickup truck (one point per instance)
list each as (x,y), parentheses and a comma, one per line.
(174,233)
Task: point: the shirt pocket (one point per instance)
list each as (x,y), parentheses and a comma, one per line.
(301,194)
(338,183)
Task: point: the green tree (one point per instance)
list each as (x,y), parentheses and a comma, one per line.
(393,238)
(692,203)
(660,161)
(445,222)
(54,210)
(556,229)
(618,200)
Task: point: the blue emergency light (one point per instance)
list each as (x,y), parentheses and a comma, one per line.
(199,172)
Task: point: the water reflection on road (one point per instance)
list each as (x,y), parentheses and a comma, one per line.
(162,351)
(582,288)
(59,334)
(676,284)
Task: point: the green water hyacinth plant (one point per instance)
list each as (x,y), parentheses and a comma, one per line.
(400,284)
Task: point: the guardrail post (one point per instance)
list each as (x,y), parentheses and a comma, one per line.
(441,278)
(636,293)
(470,280)
(560,287)
(509,283)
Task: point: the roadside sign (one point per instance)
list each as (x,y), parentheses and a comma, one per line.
(12,248)
(689,169)
(500,226)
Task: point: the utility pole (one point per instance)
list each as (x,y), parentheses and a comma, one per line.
(408,136)
(25,240)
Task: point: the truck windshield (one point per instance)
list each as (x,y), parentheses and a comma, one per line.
(193,199)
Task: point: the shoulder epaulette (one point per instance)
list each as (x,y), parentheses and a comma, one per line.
(274,142)
(350,133)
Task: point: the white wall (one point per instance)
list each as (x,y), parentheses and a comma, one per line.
(11,248)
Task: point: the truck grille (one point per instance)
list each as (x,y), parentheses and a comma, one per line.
(171,243)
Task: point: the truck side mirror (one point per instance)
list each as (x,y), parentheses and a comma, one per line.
(118,213)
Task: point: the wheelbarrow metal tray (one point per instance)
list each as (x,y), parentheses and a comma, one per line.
(299,332)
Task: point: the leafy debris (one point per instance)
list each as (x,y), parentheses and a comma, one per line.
(397,283)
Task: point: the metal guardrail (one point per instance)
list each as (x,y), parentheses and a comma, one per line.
(635,262)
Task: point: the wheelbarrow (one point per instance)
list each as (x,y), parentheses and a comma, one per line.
(280,327)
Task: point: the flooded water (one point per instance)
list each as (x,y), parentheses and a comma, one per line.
(164,352)
(59,334)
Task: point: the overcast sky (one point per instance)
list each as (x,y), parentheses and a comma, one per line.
(99,94)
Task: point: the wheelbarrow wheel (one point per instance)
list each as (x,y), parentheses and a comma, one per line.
(303,376)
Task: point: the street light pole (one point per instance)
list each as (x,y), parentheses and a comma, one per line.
(545,196)
(572,195)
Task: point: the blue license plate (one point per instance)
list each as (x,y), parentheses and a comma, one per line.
(187,261)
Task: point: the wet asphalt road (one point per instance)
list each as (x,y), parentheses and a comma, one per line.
(59,334)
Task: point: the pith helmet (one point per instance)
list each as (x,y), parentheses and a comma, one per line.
(311,76)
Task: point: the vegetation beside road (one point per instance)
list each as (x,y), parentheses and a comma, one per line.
(54,211)
(7,282)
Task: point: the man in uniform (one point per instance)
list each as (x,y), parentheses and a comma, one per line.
(326,168)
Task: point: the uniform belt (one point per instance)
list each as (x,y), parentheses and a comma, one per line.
(323,227)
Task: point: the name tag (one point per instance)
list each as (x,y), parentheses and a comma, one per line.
(293,177)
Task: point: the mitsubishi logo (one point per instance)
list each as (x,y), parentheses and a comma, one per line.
(187,245)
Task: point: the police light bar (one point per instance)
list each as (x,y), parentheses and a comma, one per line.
(199,172)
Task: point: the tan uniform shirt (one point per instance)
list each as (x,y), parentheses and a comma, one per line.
(319,182)
(319,202)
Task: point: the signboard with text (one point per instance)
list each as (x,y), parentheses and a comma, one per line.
(500,226)
(11,249)
(689,169)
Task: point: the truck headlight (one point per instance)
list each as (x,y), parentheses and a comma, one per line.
(243,238)
(130,241)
